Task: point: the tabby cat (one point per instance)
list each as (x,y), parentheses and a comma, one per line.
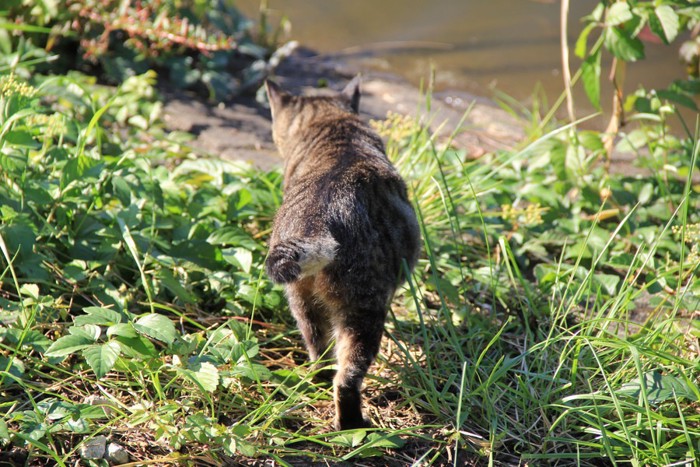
(341,236)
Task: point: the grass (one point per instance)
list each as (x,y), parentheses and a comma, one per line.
(552,319)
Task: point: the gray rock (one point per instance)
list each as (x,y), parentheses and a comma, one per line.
(93,448)
(116,454)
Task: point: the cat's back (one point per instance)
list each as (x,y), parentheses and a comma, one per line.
(338,181)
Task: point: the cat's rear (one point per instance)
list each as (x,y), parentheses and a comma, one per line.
(341,236)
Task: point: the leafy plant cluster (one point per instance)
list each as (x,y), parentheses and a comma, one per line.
(202,45)
(558,304)
(107,221)
(552,319)
(622,29)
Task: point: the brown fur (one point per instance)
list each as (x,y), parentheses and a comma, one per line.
(341,234)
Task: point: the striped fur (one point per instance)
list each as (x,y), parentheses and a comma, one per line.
(341,235)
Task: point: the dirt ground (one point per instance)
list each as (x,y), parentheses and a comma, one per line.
(241,129)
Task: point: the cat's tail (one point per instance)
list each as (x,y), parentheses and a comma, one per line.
(294,258)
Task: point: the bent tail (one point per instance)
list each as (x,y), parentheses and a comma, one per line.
(295,258)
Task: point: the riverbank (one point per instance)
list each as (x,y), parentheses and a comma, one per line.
(240,129)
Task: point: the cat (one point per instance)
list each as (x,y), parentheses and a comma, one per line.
(341,236)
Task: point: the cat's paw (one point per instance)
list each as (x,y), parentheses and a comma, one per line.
(352,424)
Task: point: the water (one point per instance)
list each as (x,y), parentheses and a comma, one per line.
(473,45)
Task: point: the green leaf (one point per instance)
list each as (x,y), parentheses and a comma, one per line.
(645,193)
(239,257)
(608,282)
(618,13)
(98,315)
(156,326)
(233,236)
(76,168)
(14,162)
(69,344)
(137,347)
(4,432)
(582,41)
(385,440)
(89,331)
(170,282)
(252,371)
(622,45)
(590,75)
(206,375)
(13,366)
(349,439)
(102,358)
(122,329)
(21,138)
(31,290)
(658,387)
(677,98)
(664,23)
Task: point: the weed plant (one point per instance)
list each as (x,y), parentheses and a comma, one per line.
(552,319)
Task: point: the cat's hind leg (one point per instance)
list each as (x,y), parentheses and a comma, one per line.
(357,344)
(312,320)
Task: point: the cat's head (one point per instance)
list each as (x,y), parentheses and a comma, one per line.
(290,111)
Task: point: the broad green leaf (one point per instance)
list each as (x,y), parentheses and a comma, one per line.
(34,339)
(170,282)
(240,257)
(645,193)
(677,98)
(69,344)
(622,45)
(13,366)
(31,290)
(98,315)
(233,236)
(608,282)
(121,190)
(89,331)
(207,375)
(658,387)
(137,347)
(156,326)
(122,329)
(349,439)
(590,75)
(385,440)
(21,138)
(252,371)
(76,168)
(14,162)
(664,23)
(618,13)
(101,358)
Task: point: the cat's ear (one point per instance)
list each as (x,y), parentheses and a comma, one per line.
(276,96)
(352,93)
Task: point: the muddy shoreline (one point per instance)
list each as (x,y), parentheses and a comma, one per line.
(240,129)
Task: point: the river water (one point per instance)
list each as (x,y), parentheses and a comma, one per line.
(474,46)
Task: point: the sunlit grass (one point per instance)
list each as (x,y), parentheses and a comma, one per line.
(545,321)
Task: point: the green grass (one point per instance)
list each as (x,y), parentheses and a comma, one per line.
(552,318)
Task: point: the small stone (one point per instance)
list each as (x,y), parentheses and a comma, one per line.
(93,448)
(116,454)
